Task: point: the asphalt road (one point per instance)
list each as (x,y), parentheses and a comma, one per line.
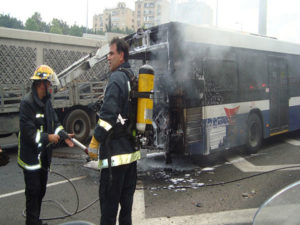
(181,193)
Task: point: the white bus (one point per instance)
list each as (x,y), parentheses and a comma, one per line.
(217,89)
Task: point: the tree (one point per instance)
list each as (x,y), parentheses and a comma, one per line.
(35,23)
(64,26)
(122,31)
(109,25)
(10,22)
(129,31)
(84,30)
(55,27)
(59,27)
(100,32)
(117,30)
(76,31)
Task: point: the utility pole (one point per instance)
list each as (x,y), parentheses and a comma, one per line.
(87,15)
(173,7)
(217,8)
(262,17)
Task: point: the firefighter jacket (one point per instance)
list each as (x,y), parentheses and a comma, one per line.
(113,120)
(37,120)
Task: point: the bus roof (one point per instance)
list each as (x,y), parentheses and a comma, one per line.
(222,37)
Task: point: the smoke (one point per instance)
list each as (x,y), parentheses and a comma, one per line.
(155,161)
(192,12)
(189,74)
(199,68)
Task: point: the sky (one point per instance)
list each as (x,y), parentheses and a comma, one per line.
(283,16)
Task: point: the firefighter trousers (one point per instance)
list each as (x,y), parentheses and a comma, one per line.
(35,189)
(119,191)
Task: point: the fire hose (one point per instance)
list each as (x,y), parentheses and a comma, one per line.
(77,210)
(80,145)
(85,149)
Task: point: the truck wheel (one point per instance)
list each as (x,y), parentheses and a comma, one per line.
(254,133)
(79,123)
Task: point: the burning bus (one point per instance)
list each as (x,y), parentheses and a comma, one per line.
(213,89)
(216,89)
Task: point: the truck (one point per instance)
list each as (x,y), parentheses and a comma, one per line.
(20,54)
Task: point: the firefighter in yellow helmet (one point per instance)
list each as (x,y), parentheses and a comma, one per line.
(40,129)
(45,73)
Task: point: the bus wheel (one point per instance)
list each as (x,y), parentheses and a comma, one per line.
(79,123)
(254,133)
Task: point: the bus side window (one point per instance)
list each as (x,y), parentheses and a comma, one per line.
(294,75)
(253,75)
(222,73)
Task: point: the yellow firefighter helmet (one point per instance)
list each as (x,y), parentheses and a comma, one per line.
(44,72)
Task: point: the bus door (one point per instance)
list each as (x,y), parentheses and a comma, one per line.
(279,100)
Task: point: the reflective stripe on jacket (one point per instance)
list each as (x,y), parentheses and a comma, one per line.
(112,116)
(118,160)
(37,120)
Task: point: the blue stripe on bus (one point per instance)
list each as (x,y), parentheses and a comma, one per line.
(294,118)
(235,132)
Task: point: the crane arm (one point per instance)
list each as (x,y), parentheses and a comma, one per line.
(82,65)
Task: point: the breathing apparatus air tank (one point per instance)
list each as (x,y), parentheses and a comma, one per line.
(145,104)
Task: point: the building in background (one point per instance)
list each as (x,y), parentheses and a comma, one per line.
(98,23)
(149,13)
(116,19)
(192,12)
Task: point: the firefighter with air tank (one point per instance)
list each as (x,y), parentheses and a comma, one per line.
(121,116)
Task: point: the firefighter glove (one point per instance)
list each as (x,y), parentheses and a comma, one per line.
(93,149)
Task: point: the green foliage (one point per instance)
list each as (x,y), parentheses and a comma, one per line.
(57,26)
(116,30)
(129,31)
(88,31)
(76,31)
(121,31)
(35,23)
(100,32)
(10,22)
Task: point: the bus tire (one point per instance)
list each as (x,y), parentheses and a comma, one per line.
(79,123)
(254,133)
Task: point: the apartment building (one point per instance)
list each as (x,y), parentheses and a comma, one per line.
(151,12)
(147,13)
(98,23)
(120,17)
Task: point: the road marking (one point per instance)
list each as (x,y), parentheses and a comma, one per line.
(48,185)
(218,218)
(292,142)
(245,166)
